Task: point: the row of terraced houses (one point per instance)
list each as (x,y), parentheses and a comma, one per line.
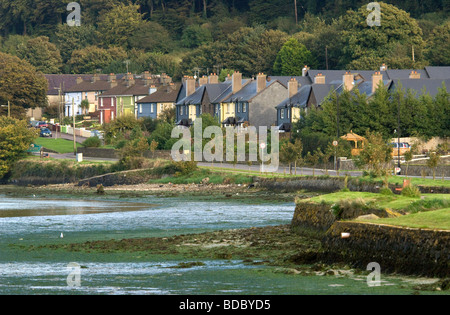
(258,101)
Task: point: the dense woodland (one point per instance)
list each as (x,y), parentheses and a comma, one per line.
(187,37)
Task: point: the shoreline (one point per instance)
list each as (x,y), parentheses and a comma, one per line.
(276,246)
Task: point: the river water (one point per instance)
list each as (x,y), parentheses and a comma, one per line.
(35,220)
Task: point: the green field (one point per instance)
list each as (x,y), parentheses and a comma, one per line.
(430,211)
(436,219)
(58,145)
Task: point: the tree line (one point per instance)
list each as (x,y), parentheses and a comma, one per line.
(202,36)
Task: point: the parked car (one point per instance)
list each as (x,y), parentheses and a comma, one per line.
(42,124)
(45,132)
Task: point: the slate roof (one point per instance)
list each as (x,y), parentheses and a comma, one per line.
(214,92)
(438,72)
(67,81)
(430,86)
(300,99)
(88,86)
(164,94)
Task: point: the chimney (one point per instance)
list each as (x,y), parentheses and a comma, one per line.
(111,77)
(79,80)
(377,77)
(292,87)
(112,82)
(260,82)
(348,80)
(319,79)
(305,70)
(165,79)
(414,75)
(190,85)
(236,81)
(152,89)
(213,79)
(95,78)
(129,79)
(203,80)
(383,67)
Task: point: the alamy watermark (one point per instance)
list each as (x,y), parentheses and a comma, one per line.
(374,278)
(374,17)
(188,149)
(74,277)
(74,17)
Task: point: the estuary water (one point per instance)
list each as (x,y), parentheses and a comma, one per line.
(39,220)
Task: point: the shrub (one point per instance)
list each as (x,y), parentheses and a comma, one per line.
(92,142)
(386,191)
(411,191)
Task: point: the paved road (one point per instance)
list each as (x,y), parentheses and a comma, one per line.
(67,137)
(256,168)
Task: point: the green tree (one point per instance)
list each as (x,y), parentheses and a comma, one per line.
(433,162)
(120,24)
(288,154)
(89,59)
(42,54)
(151,37)
(85,106)
(68,38)
(15,139)
(368,47)
(196,35)
(21,84)
(376,155)
(438,46)
(292,57)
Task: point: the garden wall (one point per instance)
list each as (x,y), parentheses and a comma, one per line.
(403,250)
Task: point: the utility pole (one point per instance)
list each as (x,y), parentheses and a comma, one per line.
(74,136)
(398,133)
(296,13)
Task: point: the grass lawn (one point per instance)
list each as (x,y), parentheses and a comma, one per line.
(197,176)
(58,145)
(398,180)
(436,219)
(429,211)
(396,202)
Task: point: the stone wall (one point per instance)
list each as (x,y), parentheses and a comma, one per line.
(319,216)
(111,153)
(403,250)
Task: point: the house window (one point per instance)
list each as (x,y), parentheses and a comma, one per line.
(161,107)
(96,95)
(181,110)
(140,108)
(101,102)
(85,95)
(244,107)
(288,112)
(282,114)
(238,107)
(151,108)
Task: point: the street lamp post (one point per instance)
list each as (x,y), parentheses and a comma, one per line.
(9,108)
